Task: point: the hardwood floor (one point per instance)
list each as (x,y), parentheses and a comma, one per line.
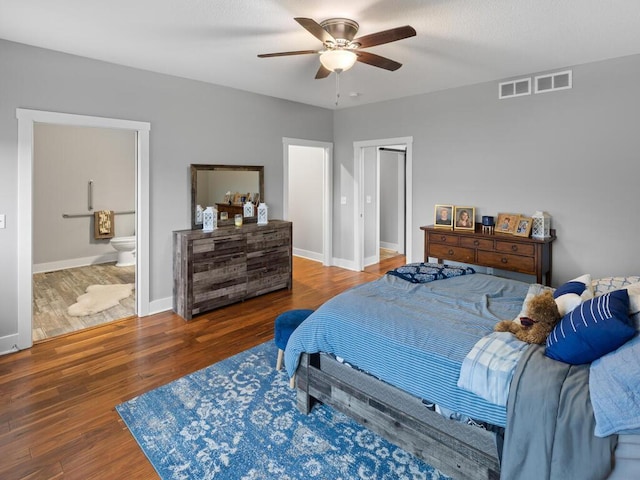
(57,400)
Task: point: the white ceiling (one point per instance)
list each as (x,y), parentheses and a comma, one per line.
(458,42)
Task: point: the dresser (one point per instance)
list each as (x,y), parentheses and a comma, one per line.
(496,250)
(228,265)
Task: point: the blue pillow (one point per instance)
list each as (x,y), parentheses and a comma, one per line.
(573,286)
(593,329)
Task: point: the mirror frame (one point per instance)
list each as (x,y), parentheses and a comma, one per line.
(195,168)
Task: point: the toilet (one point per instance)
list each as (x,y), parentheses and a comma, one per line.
(126,247)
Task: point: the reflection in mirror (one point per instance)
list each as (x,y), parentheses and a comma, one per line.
(210,185)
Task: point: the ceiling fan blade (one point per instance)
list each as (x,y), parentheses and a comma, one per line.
(322,72)
(385,36)
(315,29)
(377,61)
(284,54)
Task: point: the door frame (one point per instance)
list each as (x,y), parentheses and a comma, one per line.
(327,177)
(358,194)
(26,120)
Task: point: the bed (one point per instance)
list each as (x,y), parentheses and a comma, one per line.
(389,353)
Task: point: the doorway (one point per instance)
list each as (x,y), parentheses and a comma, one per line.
(307,197)
(367,198)
(26,122)
(77,172)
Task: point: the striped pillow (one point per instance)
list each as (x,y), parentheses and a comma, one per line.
(593,329)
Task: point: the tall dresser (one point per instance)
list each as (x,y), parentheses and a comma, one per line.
(228,265)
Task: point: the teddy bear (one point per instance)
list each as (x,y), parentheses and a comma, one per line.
(541,315)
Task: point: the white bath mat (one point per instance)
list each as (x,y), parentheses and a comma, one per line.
(99,298)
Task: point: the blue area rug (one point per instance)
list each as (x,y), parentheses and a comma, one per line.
(237,420)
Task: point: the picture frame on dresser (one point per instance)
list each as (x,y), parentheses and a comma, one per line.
(443,216)
(523,226)
(507,223)
(464,218)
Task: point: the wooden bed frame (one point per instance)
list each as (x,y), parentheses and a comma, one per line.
(458,450)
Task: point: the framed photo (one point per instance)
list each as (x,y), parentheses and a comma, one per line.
(443,216)
(523,226)
(507,222)
(464,218)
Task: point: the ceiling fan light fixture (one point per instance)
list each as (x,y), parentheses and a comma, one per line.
(338,60)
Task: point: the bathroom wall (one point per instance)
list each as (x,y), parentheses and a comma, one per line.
(65,160)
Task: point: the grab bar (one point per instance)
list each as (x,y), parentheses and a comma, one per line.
(79,215)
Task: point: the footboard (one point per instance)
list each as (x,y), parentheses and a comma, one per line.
(458,450)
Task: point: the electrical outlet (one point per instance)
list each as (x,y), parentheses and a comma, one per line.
(2,220)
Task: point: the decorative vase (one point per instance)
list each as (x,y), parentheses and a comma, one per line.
(541,225)
(209,219)
(248,209)
(237,220)
(262,214)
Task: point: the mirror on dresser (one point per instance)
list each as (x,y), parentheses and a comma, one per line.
(210,185)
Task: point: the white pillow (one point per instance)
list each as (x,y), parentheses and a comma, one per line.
(565,295)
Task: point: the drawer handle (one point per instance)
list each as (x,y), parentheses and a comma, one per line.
(504,260)
(476,242)
(514,248)
(442,238)
(450,252)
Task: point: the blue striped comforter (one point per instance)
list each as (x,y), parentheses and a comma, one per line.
(413,336)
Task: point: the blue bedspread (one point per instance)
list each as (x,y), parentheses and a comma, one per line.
(413,336)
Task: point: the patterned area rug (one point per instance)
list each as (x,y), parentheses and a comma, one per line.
(237,419)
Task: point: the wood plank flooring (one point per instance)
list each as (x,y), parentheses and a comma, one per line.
(54,292)
(57,400)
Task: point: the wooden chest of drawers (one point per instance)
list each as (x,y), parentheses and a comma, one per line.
(505,252)
(229,265)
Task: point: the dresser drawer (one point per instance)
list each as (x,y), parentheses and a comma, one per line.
(452,252)
(507,261)
(449,239)
(471,242)
(513,247)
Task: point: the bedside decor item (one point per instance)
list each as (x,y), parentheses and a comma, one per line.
(238,220)
(209,219)
(523,227)
(262,214)
(464,218)
(507,222)
(199,212)
(443,216)
(541,226)
(248,209)
(488,224)
(224,215)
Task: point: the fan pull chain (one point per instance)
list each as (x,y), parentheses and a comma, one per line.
(337,87)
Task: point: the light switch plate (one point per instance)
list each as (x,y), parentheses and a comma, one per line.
(343,200)
(2,220)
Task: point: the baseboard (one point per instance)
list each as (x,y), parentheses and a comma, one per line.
(75,262)
(298,252)
(159,306)
(9,344)
(371,260)
(346,264)
(389,246)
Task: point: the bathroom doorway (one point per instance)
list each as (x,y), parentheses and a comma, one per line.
(80,172)
(27,120)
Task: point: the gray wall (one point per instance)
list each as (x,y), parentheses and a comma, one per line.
(306,166)
(191,122)
(574,153)
(65,159)
(389,197)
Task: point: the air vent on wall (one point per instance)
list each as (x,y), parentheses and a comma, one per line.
(553,81)
(515,88)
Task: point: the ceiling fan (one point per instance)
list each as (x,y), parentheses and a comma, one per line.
(339,48)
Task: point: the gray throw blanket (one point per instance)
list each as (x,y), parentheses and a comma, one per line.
(550,423)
